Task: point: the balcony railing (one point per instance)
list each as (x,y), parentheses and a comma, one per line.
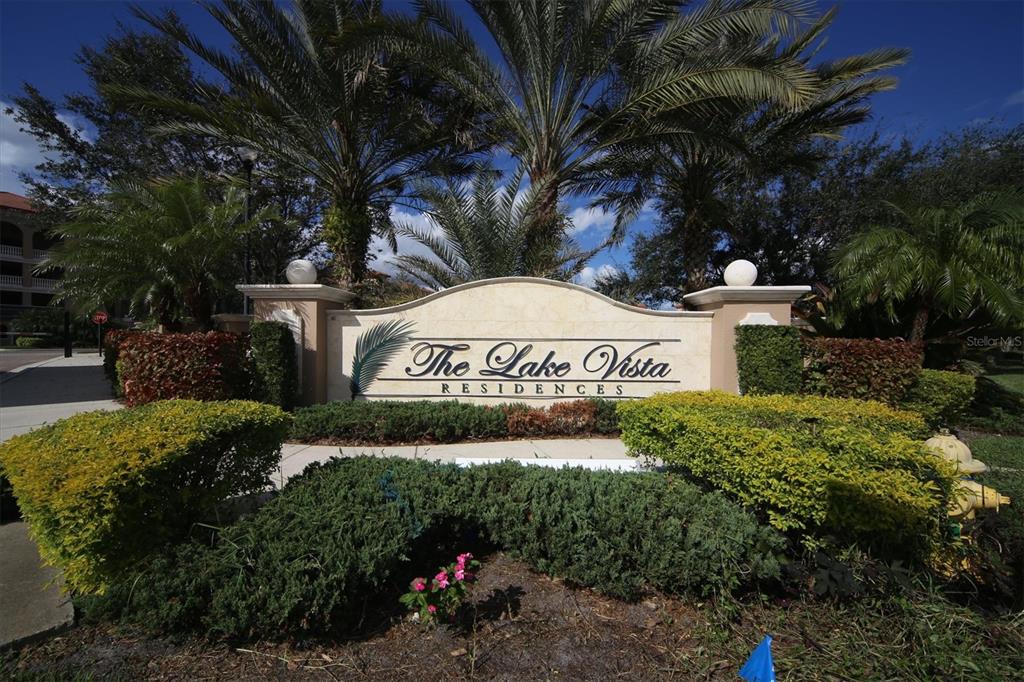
(6,250)
(44,283)
(40,254)
(11,280)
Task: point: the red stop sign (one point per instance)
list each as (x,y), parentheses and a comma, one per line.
(99,317)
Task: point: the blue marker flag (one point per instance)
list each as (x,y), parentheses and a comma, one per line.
(759,667)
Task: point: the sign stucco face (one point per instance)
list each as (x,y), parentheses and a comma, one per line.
(514,340)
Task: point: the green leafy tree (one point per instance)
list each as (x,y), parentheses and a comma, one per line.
(952,261)
(694,185)
(311,91)
(103,139)
(168,246)
(481,231)
(575,79)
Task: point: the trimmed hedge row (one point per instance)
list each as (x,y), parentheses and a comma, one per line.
(815,466)
(769,359)
(343,532)
(868,369)
(101,490)
(392,421)
(147,366)
(275,372)
(198,366)
(942,398)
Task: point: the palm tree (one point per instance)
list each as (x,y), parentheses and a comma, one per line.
(691,183)
(310,91)
(169,246)
(578,78)
(951,261)
(479,231)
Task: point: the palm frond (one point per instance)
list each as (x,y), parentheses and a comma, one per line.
(375,347)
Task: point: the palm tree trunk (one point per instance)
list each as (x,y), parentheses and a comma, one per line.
(347,230)
(920,324)
(200,305)
(543,236)
(696,254)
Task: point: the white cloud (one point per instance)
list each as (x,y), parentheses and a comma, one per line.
(19,151)
(589,275)
(587,218)
(1014,99)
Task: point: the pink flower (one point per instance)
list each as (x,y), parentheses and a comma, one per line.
(420,584)
(442,579)
(460,574)
(431,608)
(463,558)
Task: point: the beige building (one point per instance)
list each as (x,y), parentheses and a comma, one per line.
(24,244)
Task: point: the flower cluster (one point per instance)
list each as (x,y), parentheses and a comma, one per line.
(444,593)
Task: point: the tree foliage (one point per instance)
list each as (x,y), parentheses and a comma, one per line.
(573,80)
(168,246)
(958,261)
(479,231)
(311,91)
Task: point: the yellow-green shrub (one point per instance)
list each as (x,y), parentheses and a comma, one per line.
(101,490)
(817,466)
(940,397)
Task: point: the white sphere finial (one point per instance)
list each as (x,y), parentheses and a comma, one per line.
(740,273)
(300,271)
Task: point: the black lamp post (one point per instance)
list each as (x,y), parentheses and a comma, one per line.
(248,157)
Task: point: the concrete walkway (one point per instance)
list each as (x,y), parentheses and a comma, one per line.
(295,456)
(31,601)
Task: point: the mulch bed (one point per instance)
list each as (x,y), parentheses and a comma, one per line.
(520,626)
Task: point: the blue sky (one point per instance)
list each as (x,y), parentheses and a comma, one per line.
(967,66)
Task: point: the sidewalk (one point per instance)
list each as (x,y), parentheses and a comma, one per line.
(52,390)
(605,453)
(31,601)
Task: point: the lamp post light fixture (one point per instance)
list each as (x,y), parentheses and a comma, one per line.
(248,157)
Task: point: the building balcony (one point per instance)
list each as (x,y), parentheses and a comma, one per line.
(37,283)
(18,254)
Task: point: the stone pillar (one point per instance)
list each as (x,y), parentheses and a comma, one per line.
(736,305)
(303,307)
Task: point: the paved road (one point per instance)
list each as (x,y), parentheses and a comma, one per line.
(31,601)
(59,388)
(12,358)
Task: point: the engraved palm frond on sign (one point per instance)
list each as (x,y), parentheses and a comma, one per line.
(374,350)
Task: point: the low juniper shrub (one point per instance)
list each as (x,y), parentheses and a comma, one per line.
(315,558)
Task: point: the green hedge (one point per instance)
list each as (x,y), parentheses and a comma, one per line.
(383,422)
(868,369)
(336,537)
(101,490)
(940,397)
(391,421)
(818,467)
(995,408)
(769,359)
(275,372)
(199,366)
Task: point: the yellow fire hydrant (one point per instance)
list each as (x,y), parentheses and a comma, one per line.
(969,495)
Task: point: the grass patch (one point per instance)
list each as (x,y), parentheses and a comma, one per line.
(1013,381)
(918,636)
